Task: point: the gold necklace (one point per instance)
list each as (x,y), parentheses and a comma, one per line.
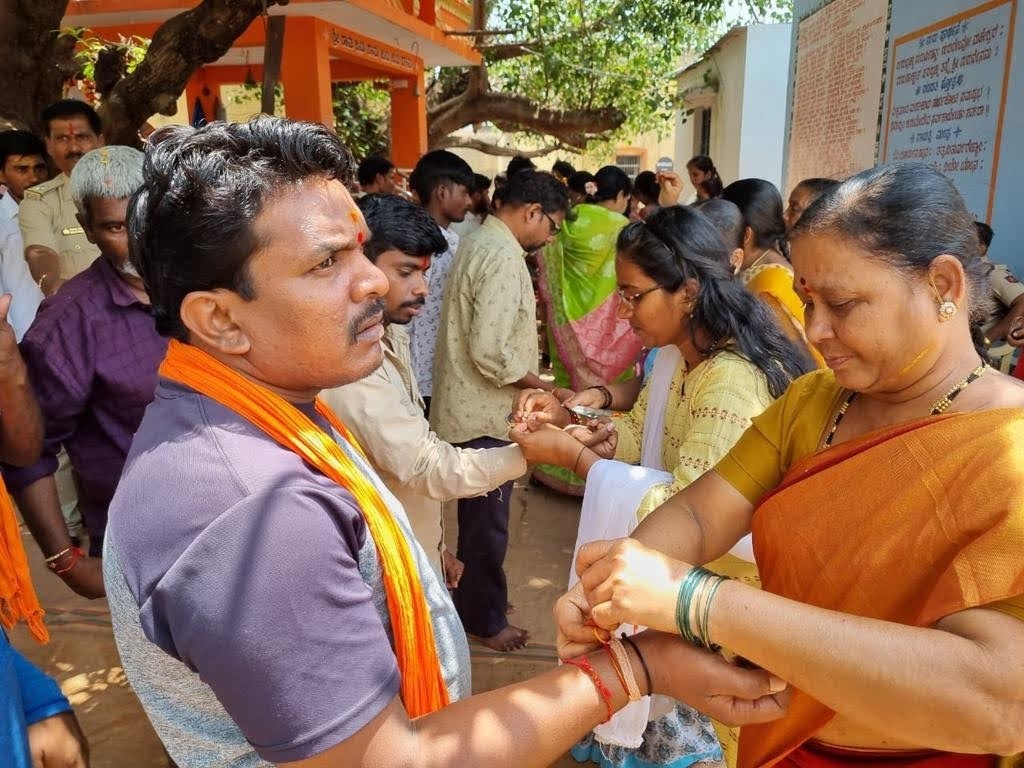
(939,406)
(757,261)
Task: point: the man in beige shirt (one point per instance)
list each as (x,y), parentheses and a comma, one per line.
(385,411)
(486,352)
(56,247)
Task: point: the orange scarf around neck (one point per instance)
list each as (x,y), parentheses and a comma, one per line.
(18,601)
(423,687)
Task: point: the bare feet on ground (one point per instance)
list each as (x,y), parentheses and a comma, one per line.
(509,639)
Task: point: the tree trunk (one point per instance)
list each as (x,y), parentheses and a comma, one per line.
(34,60)
(180,46)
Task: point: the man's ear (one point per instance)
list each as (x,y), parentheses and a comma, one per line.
(212,319)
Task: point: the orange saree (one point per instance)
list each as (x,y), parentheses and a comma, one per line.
(908,524)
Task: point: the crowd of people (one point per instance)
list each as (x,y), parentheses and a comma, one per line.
(239,377)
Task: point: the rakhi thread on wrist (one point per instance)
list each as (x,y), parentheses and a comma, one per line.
(583,663)
(620,663)
(76,555)
(643,664)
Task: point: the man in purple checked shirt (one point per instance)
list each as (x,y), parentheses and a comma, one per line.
(92,355)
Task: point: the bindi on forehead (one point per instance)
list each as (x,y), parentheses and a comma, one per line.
(424,263)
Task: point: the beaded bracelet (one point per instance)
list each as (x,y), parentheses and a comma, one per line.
(581,662)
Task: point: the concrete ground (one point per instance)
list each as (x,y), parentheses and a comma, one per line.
(82,655)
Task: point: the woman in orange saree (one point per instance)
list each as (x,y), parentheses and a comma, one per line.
(886,501)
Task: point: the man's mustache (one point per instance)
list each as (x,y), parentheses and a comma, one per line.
(414,303)
(375,309)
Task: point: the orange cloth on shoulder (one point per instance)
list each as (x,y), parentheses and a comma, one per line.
(907,524)
(18,601)
(423,686)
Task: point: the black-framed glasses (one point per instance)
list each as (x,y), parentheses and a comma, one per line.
(555,229)
(630,300)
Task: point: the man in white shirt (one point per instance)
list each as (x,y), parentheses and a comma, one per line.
(442,181)
(22,165)
(385,411)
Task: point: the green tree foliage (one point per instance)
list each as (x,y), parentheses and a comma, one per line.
(602,64)
(361,112)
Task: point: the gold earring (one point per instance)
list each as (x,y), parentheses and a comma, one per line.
(947,311)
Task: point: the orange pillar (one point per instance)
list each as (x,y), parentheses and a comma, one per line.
(408,119)
(200,90)
(306,71)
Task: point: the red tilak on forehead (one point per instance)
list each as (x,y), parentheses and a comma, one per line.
(360,237)
(424,263)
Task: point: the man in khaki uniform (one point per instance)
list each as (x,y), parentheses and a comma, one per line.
(1007,296)
(56,247)
(385,410)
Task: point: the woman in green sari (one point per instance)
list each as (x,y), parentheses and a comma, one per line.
(588,342)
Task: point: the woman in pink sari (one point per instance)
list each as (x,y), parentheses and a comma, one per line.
(588,342)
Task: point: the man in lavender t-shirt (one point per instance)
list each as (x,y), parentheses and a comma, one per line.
(92,354)
(244,585)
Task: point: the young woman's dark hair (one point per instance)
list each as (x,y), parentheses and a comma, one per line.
(704,164)
(610,180)
(905,214)
(646,187)
(726,218)
(396,224)
(190,225)
(761,205)
(712,188)
(677,244)
(563,169)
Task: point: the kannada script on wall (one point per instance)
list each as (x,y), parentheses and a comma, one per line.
(946,97)
(837,86)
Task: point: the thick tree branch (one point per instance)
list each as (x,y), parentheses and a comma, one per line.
(34,59)
(182,44)
(490,148)
(570,127)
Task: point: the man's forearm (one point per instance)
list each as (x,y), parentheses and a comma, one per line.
(21,423)
(999,331)
(40,506)
(44,264)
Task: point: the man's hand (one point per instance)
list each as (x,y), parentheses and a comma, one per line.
(86,578)
(671,184)
(453,568)
(58,742)
(534,408)
(575,631)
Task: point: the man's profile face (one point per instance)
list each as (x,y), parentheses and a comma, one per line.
(106,228)
(456,201)
(68,138)
(21,172)
(407,281)
(386,183)
(317,317)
